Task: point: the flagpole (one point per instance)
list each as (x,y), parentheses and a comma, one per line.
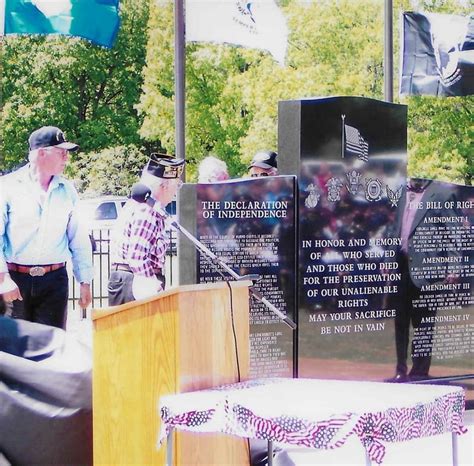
(2,18)
(343,117)
(388,51)
(2,33)
(179,79)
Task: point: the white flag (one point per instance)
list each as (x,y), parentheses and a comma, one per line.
(255,24)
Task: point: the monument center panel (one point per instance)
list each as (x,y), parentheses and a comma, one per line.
(385,268)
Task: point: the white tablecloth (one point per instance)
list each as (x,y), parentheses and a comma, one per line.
(318,413)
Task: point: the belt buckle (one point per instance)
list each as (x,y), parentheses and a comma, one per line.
(37,271)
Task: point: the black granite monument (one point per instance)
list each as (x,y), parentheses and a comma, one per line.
(385,288)
(250,224)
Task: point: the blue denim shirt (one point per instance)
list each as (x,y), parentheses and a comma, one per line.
(39,232)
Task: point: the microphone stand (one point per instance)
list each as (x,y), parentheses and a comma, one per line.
(217,260)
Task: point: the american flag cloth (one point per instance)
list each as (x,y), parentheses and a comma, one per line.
(290,429)
(319,414)
(444,414)
(355,143)
(139,239)
(188,419)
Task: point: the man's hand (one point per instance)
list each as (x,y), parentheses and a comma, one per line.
(8,288)
(85,297)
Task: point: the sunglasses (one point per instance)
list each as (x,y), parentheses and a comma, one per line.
(258,175)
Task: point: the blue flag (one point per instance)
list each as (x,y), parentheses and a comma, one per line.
(95,20)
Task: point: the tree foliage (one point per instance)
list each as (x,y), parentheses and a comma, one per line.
(86,90)
(110,171)
(232,93)
(335,48)
(120,102)
(440,138)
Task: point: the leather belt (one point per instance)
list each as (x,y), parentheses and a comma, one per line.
(122,267)
(126,268)
(35,270)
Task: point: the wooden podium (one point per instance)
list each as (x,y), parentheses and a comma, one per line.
(179,341)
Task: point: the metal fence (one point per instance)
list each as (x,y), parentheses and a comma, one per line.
(102,263)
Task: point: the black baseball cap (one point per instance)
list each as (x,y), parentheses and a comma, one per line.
(264,159)
(164,166)
(50,136)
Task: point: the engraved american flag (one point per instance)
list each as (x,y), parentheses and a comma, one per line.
(355,143)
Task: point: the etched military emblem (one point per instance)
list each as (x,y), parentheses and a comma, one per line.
(373,189)
(394,196)
(353,185)
(313,197)
(334,186)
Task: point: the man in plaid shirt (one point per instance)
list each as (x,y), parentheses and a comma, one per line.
(139,241)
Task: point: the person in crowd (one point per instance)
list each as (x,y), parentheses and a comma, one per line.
(212,169)
(411,310)
(139,242)
(39,231)
(264,163)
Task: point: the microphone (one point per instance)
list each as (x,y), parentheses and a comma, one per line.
(140,193)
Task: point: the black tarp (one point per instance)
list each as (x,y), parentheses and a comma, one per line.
(45,395)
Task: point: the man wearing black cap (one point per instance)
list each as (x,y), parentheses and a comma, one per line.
(39,231)
(264,163)
(139,241)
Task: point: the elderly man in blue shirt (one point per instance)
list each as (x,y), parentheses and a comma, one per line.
(40,231)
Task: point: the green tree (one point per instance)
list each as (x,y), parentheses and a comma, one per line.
(335,48)
(110,171)
(103,97)
(233,93)
(88,91)
(440,138)
(440,130)
(215,118)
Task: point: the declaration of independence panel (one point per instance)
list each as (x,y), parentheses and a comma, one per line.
(250,224)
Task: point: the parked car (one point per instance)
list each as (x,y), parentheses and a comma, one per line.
(100,214)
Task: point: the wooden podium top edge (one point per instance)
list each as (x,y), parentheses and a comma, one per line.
(106,311)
